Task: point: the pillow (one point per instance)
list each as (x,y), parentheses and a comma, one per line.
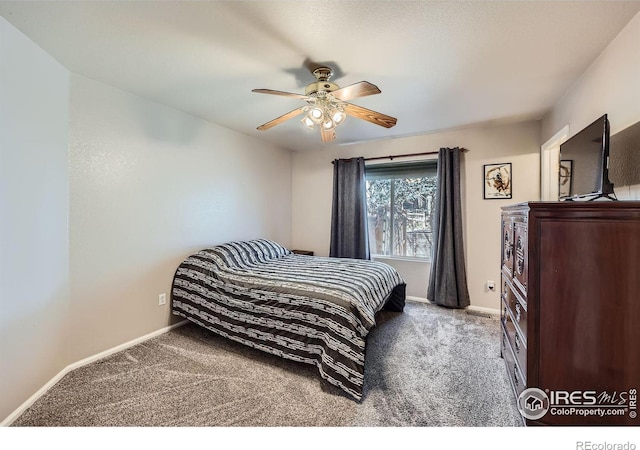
(269,249)
(241,253)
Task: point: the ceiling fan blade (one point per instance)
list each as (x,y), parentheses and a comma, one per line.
(357,90)
(282,118)
(284,94)
(370,116)
(327,135)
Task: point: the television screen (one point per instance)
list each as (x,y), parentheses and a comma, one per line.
(583,162)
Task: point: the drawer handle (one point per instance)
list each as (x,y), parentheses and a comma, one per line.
(520,265)
(518,312)
(504,315)
(515,375)
(517,343)
(520,246)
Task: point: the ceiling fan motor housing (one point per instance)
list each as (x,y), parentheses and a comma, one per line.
(313,89)
(323,84)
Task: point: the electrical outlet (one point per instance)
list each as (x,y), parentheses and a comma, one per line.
(491,285)
(162,299)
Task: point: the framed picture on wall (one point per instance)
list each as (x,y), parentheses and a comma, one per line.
(566,166)
(497,181)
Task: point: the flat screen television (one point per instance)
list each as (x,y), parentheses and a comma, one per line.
(584,164)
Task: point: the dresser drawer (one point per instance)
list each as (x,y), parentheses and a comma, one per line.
(516,340)
(516,304)
(517,379)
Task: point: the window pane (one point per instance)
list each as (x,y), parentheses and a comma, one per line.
(413,202)
(379,216)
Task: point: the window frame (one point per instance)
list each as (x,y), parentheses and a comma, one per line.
(415,168)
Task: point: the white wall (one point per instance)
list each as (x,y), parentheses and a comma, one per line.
(149,185)
(518,144)
(34,255)
(610,85)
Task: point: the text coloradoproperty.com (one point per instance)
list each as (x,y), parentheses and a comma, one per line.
(572,410)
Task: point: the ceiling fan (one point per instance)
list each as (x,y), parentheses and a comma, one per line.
(327,105)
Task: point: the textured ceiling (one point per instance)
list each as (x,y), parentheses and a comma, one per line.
(440,65)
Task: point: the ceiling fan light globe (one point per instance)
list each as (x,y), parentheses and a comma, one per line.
(307,122)
(316,114)
(328,124)
(338,117)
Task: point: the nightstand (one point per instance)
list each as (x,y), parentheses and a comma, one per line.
(303,252)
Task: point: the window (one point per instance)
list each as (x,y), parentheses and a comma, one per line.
(400,204)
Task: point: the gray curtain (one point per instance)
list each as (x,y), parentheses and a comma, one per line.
(349,236)
(448,279)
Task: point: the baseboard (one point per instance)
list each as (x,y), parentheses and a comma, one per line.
(71,367)
(480,310)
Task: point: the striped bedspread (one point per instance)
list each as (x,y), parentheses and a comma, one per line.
(310,309)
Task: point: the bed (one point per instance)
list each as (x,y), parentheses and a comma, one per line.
(316,310)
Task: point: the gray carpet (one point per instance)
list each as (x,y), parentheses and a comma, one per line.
(427,366)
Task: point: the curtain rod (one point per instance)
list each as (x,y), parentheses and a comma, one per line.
(391,157)
(406,155)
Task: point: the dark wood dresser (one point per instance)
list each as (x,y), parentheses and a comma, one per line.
(570,291)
